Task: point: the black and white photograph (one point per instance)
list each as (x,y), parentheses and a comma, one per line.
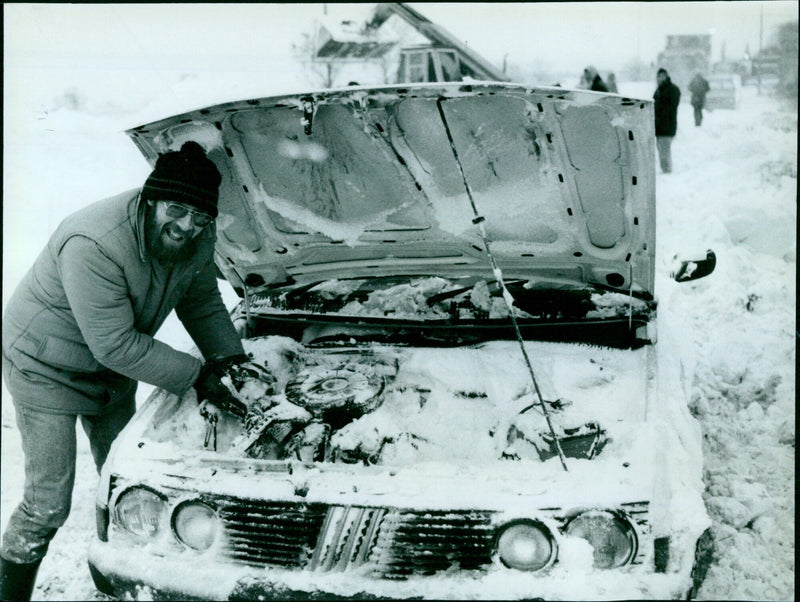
(432,301)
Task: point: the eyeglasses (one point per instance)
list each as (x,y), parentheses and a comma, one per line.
(178,211)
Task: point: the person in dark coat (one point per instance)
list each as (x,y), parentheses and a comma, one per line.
(591,80)
(78,334)
(667,96)
(612,83)
(699,88)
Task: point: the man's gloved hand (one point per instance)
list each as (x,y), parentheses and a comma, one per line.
(240,368)
(226,363)
(210,388)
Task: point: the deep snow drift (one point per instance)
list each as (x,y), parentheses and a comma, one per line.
(733,189)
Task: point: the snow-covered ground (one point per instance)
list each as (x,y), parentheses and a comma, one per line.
(733,189)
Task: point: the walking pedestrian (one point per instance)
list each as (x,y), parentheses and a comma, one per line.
(699,87)
(612,83)
(667,96)
(591,80)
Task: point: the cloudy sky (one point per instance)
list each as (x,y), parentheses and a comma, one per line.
(207,37)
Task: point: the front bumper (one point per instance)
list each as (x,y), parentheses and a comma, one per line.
(119,571)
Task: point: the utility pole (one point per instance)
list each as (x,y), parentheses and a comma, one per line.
(760,40)
(638,45)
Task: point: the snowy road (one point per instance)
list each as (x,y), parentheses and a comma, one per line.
(733,189)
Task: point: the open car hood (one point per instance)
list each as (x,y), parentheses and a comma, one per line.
(389,181)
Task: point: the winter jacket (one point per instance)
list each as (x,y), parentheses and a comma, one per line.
(598,85)
(78,330)
(667,96)
(591,80)
(699,88)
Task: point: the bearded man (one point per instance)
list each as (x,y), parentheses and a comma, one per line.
(78,336)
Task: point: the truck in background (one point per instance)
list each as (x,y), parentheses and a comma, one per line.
(685,55)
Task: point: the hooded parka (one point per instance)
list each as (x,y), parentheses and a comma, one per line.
(78,330)
(591,80)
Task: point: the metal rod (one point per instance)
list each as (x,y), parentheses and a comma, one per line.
(246,311)
(479,221)
(630,297)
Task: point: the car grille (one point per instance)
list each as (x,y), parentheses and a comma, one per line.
(389,543)
(263,533)
(410,542)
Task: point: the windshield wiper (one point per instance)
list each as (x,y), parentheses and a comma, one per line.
(291,294)
(433,299)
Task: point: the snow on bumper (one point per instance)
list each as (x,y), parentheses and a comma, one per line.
(118,572)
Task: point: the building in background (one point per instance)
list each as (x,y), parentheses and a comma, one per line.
(395,44)
(684,56)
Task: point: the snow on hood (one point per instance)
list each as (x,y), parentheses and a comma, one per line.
(372,181)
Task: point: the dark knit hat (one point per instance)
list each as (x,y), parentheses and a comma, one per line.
(186,176)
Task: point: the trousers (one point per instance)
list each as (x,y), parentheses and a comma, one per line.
(49,444)
(698,114)
(664,146)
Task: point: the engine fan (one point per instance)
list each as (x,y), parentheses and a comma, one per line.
(339,395)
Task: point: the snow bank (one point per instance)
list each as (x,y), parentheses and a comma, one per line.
(734,190)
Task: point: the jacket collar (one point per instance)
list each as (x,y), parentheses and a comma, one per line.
(136,214)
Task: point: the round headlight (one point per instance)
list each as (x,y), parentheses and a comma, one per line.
(195,524)
(525,545)
(611,536)
(140,511)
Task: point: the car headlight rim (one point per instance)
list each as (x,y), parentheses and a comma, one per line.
(625,537)
(525,544)
(140,511)
(195,524)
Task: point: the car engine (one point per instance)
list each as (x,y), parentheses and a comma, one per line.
(302,422)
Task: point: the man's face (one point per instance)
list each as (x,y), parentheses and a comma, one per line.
(661,78)
(171,228)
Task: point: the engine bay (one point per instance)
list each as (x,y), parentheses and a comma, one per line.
(382,405)
(316,405)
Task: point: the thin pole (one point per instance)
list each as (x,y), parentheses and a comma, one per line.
(760,40)
(498,274)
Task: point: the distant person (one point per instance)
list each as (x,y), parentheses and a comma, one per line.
(667,96)
(591,80)
(612,83)
(699,88)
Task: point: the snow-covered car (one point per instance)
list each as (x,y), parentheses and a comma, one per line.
(449,293)
(725,90)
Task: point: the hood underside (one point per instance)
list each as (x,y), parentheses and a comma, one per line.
(390,180)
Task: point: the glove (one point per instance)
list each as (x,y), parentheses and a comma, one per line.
(210,388)
(225,363)
(240,368)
